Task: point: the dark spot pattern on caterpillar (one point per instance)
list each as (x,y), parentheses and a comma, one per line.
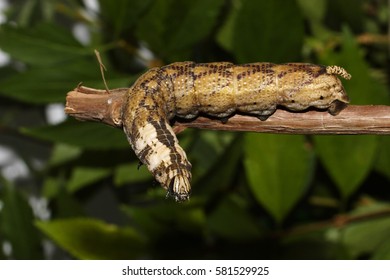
(220,89)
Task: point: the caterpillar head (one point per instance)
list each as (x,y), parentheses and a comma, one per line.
(179,188)
(341,98)
(308,85)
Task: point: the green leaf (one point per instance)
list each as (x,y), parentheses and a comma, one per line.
(44,44)
(362,89)
(313,10)
(81,134)
(174,25)
(233,211)
(225,36)
(63,204)
(348,159)
(382,163)
(30,12)
(151,27)
(207,148)
(122,15)
(268,31)
(165,218)
(17,227)
(66,205)
(51,187)
(85,176)
(314,248)
(40,85)
(221,167)
(200,17)
(278,169)
(383,251)
(130,173)
(93,239)
(367,236)
(27,12)
(346,12)
(63,153)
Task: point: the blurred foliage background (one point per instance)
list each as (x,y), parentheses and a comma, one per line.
(72,190)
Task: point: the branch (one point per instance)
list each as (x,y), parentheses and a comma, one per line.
(90,104)
(338,221)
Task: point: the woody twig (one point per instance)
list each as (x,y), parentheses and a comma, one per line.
(90,104)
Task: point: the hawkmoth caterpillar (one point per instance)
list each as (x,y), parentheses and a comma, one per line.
(219,89)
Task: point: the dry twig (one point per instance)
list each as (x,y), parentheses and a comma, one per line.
(90,104)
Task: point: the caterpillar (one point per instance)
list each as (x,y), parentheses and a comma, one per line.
(220,89)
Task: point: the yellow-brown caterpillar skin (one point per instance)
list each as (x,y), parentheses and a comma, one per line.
(219,89)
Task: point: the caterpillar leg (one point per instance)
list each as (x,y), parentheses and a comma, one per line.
(336,107)
(263,117)
(224,120)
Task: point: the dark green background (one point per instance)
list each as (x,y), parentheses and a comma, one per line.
(260,196)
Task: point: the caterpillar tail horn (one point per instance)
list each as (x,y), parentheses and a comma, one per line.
(337,70)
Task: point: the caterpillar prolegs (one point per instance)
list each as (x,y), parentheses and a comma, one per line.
(220,89)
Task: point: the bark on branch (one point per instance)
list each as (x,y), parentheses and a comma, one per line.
(90,104)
